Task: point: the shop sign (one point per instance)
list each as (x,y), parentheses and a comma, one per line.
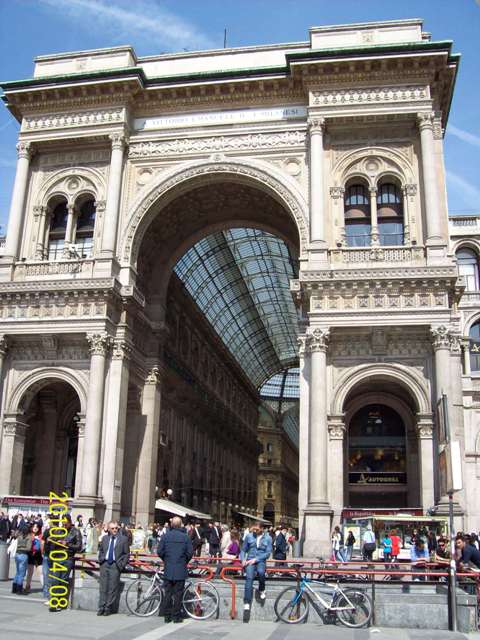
(381,477)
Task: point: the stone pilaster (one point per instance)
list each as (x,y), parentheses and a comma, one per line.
(16,214)
(110,224)
(336,471)
(316,128)
(425,429)
(11,454)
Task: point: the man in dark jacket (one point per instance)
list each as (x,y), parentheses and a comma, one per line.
(214,537)
(197,538)
(175,549)
(113,555)
(4,527)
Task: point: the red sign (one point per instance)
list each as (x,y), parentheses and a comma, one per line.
(371,513)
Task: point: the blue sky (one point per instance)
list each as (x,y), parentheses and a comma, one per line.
(33,27)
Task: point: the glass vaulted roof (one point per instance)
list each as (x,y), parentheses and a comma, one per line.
(240,279)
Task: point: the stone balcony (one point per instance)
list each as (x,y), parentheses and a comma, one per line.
(67,269)
(464,225)
(470,299)
(371,256)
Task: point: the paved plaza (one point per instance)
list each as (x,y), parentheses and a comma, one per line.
(22,616)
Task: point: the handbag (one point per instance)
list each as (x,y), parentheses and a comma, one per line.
(12,547)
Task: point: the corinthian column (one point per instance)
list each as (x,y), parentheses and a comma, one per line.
(99,345)
(430,182)
(318,491)
(148,447)
(15,218)
(115,424)
(110,225)
(316,127)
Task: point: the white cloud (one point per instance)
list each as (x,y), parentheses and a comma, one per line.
(465,136)
(469,193)
(144,18)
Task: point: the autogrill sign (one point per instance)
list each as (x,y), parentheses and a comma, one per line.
(369,477)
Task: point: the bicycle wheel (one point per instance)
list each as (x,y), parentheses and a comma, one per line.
(138,591)
(291,606)
(356,608)
(149,606)
(200,600)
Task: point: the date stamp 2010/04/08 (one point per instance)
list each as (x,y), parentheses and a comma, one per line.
(58,556)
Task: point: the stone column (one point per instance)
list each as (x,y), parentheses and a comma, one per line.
(69,231)
(304,383)
(318,512)
(46,444)
(408,191)
(16,214)
(110,223)
(39,213)
(79,466)
(148,447)
(430,182)
(115,424)
(336,472)
(316,127)
(99,345)
(374,218)
(427,469)
(338,194)
(11,454)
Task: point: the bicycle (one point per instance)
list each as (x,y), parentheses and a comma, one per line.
(353,608)
(144,597)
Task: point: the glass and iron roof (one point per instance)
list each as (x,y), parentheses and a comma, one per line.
(240,279)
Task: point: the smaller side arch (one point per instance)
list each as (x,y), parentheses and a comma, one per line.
(400,374)
(34,380)
(70,183)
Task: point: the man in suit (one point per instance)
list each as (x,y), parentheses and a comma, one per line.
(176,551)
(113,554)
(196,536)
(214,538)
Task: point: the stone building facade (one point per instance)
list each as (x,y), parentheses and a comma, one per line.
(334,145)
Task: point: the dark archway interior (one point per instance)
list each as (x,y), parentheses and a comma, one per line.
(51,442)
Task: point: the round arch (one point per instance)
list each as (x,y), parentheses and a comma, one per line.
(371,163)
(72,182)
(399,374)
(34,381)
(471,243)
(180,180)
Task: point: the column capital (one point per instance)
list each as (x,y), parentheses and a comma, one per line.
(336,427)
(319,340)
(409,190)
(316,124)
(425,120)
(39,210)
(373,191)
(337,192)
(303,342)
(99,343)
(3,345)
(425,426)
(100,206)
(444,337)
(13,428)
(24,149)
(154,375)
(122,350)
(119,140)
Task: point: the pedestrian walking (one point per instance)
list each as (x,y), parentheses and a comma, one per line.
(176,551)
(349,544)
(369,544)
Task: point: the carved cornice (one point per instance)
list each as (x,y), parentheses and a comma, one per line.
(24,150)
(99,343)
(369,95)
(71,119)
(179,146)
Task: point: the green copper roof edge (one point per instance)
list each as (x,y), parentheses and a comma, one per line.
(375,48)
(45,80)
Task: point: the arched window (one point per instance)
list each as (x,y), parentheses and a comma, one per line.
(85,229)
(358,224)
(390,214)
(475,347)
(468,268)
(58,227)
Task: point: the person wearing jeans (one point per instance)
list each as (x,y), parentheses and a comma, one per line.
(256,549)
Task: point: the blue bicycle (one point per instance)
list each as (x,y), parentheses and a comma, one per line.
(352,607)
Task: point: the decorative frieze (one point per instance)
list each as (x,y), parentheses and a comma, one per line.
(180,146)
(73,119)
(370,95)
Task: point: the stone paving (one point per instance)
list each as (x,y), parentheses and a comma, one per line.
(22,617)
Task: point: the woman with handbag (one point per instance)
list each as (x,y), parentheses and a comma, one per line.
(24,540)
(369,543)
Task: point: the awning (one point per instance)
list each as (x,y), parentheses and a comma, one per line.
(179,509)
(252,517)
